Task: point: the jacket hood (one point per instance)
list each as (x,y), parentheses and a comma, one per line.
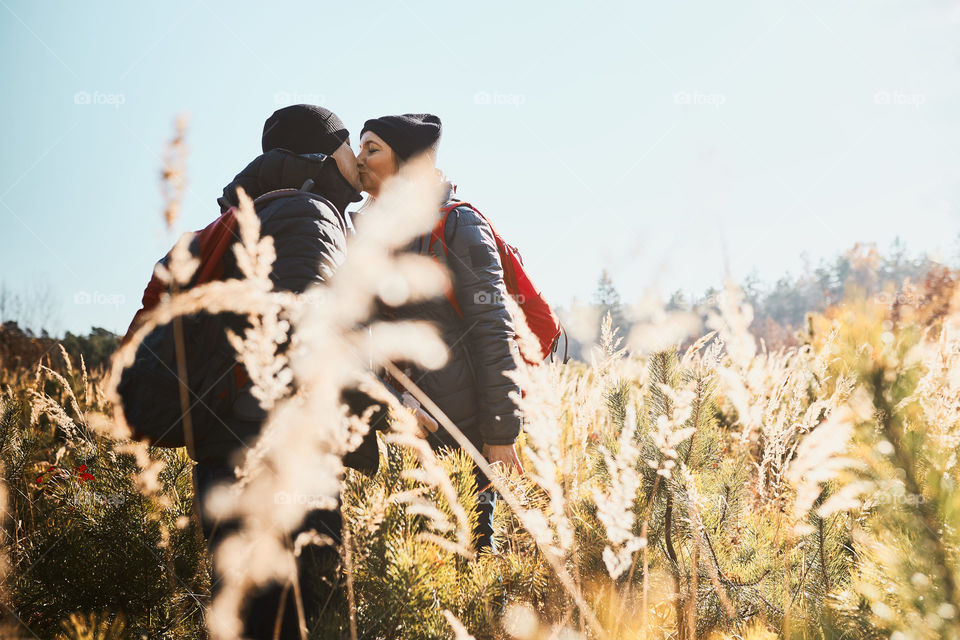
(282,169)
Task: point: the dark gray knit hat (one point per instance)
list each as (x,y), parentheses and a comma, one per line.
(407,134)
(304,128)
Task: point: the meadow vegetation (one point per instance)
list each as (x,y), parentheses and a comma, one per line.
(679,485)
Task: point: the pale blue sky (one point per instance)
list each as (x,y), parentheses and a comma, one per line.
(661,140)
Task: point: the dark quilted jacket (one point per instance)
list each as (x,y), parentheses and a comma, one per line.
(309,235)
(473,388)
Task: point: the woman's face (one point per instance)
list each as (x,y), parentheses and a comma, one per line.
(376,162)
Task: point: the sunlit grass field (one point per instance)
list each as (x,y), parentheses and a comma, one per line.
(692,483)
(716,490)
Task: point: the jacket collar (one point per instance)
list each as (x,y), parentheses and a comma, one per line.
(282,169)
(450,190)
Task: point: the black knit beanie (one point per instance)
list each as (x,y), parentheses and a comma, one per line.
(304,128)
(408,134)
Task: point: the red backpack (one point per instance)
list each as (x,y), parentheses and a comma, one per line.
(149,388)
(212,243)
(541,319)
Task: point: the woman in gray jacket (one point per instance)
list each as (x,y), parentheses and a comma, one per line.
(472,388)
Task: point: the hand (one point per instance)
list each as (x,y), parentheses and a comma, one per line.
(505,454)
(425,421)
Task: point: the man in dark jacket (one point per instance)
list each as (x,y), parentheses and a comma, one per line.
(306,148)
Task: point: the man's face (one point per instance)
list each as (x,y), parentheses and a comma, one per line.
(347,164)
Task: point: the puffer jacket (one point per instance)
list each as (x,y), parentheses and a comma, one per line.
(309,236)
(472,388)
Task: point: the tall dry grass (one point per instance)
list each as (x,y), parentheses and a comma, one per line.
(721,490)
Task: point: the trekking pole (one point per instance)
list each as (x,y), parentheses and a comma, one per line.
(562,575)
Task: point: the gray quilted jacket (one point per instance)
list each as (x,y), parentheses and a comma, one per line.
(473,389)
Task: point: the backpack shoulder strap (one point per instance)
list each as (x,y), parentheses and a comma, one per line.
(439,230)
(210,244)
(213,241)
(503,248)
(276,194)
(438,236)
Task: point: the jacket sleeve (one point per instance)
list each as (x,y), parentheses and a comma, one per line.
(309,241)
(477,274)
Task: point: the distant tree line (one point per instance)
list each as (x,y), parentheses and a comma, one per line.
(780,309)
(22,348)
